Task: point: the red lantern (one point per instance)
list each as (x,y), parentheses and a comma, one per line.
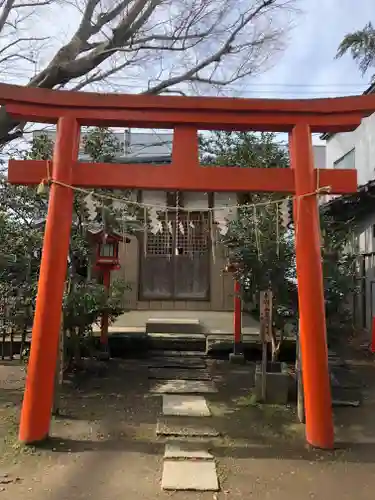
(107,250)
(107,260)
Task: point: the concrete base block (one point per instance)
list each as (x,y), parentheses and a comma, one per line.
(277,383)
(237,359)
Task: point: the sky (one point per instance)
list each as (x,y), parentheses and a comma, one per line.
(308,68)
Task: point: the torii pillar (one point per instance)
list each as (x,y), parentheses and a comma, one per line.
(38,398)
(312,319)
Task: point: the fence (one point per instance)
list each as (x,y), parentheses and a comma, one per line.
(14,331)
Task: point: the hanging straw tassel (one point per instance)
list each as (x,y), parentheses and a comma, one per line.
(125,246)
(212,235)
(255,222)
(42,188)
(188,229)
(277,231)
(145,231)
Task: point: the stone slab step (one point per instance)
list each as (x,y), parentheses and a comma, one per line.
(184,427)
(173,325)
(183,337)
(178,354)
(189,476)
(186,406)
(183,387)
(176,343)
(181,374)
(177,363)
(182,450)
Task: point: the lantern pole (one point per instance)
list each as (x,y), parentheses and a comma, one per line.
(237,356)
(105,319)
(237,319)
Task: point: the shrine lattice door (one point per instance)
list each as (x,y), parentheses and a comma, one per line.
(175,262)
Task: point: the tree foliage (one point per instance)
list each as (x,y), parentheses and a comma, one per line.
(339,272)
(147,46)
(361,45)
(264,248)
(256,238)
(22,216)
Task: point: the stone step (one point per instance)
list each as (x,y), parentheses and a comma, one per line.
(177,362)
(179,374)
(173,325)
(183,387)
(177,342)
(179,354)
(189,475)
(185,450)
(185,406)
(184,427)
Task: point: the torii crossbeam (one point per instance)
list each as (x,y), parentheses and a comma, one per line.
(186,115)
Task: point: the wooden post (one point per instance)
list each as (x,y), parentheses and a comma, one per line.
(265,333)
(38,398)
(313,341)
(237,318)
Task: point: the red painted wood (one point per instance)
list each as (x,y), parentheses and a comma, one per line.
(311,304)
(104,320)
(200,118)
(174,177)
(365,104)
(237,315)
(38,397)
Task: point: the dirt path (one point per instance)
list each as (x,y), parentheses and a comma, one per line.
(105,446)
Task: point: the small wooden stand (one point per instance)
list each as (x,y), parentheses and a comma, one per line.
(265,334)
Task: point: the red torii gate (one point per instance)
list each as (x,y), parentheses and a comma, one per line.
(185,115)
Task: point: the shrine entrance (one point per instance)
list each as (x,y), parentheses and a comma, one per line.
(175,262)
(186,115)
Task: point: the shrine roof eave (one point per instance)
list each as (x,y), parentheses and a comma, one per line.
(206,113)
(97,232)
(356,206)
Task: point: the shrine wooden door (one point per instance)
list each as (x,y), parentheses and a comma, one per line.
(175,262)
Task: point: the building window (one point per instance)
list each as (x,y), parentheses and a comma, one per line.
(347,161)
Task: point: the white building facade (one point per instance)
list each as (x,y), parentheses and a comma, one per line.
(356,150)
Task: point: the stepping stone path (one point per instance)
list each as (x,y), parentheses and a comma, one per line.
(187,364)
(191,406)
(182,374)
(183,427)
(184,387)
(187,465)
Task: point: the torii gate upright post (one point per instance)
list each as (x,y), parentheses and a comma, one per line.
(312,322)
(38,399)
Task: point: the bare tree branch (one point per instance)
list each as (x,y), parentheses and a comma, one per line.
(31,4)
(157,44)
(5,13)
